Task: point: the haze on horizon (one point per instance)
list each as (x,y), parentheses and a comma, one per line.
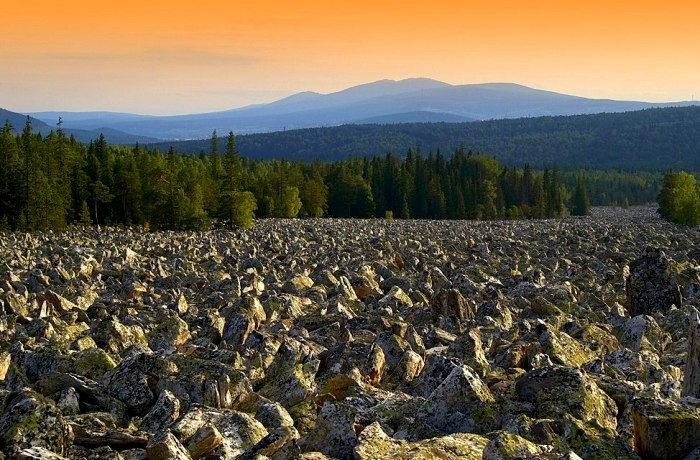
(170,57)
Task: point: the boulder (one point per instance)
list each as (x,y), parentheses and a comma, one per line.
(665,430)
(165,446)
(374,443)
(691,375)
(451,303)
(30,420)
(650,286)
(462,403)
(554,391)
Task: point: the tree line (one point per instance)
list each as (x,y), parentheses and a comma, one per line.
(679,198)
(651,139)
(50,182)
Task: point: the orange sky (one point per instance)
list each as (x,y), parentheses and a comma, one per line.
(166,57)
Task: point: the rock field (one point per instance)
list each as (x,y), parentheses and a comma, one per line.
(354,339)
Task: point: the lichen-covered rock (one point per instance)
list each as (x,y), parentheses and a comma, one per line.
(451,302)
(374,443)
(93,363)
(691,376)
(525,334)
(508,446)
(643,333)
(129,384)
(334,431)
(664,429)
(164,412)
(462,403)
(172,332)
(38,453)
(239,432)
(650,286)
(396,299)
(204,441)
(469,348)
(555,391)
(564,349)
(30,420)
(165,446)
(5,360)
(115,337)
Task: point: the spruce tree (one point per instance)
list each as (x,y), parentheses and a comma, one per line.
(581,205)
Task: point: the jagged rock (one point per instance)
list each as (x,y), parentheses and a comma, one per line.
(290,377)
(298,283)
(664,429)
(451,302)
(114,337)
(462,403)
(469,348)
(643,333)
(650,286)
(165,446)
(334,431)
(243,321)
(38,453)
(564,349)
(204,441)
(508,446)
(279,443)
(99,429)
(93,363)
(396,299)
(67,401)
(30,420)
(691,375)
(481,326)
(355,360)
(164,412)
(172,332)
(129,384)
(555,391)
(374,443)
(239,432)
(5,360)
(274,415)
(345,289)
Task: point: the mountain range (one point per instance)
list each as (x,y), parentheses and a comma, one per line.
(382,102)
(44,127)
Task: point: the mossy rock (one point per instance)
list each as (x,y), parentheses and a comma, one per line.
(374,443)
(30,420)
(664,430)
(592,441)
(509,446)
(564,349)
(93,363)
(554,391)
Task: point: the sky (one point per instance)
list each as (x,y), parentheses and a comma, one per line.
(174,57)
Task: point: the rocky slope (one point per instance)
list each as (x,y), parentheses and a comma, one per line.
(573,338)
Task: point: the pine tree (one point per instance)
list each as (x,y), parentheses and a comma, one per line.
(581,205)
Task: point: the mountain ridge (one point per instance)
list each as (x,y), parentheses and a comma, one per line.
(650,139)
(383,99)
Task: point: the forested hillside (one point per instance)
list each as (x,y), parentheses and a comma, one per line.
(652,140)
(53,181)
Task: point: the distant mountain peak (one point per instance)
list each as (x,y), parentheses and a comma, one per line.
(414,99)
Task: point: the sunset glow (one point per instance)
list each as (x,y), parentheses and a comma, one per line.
(167,57)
